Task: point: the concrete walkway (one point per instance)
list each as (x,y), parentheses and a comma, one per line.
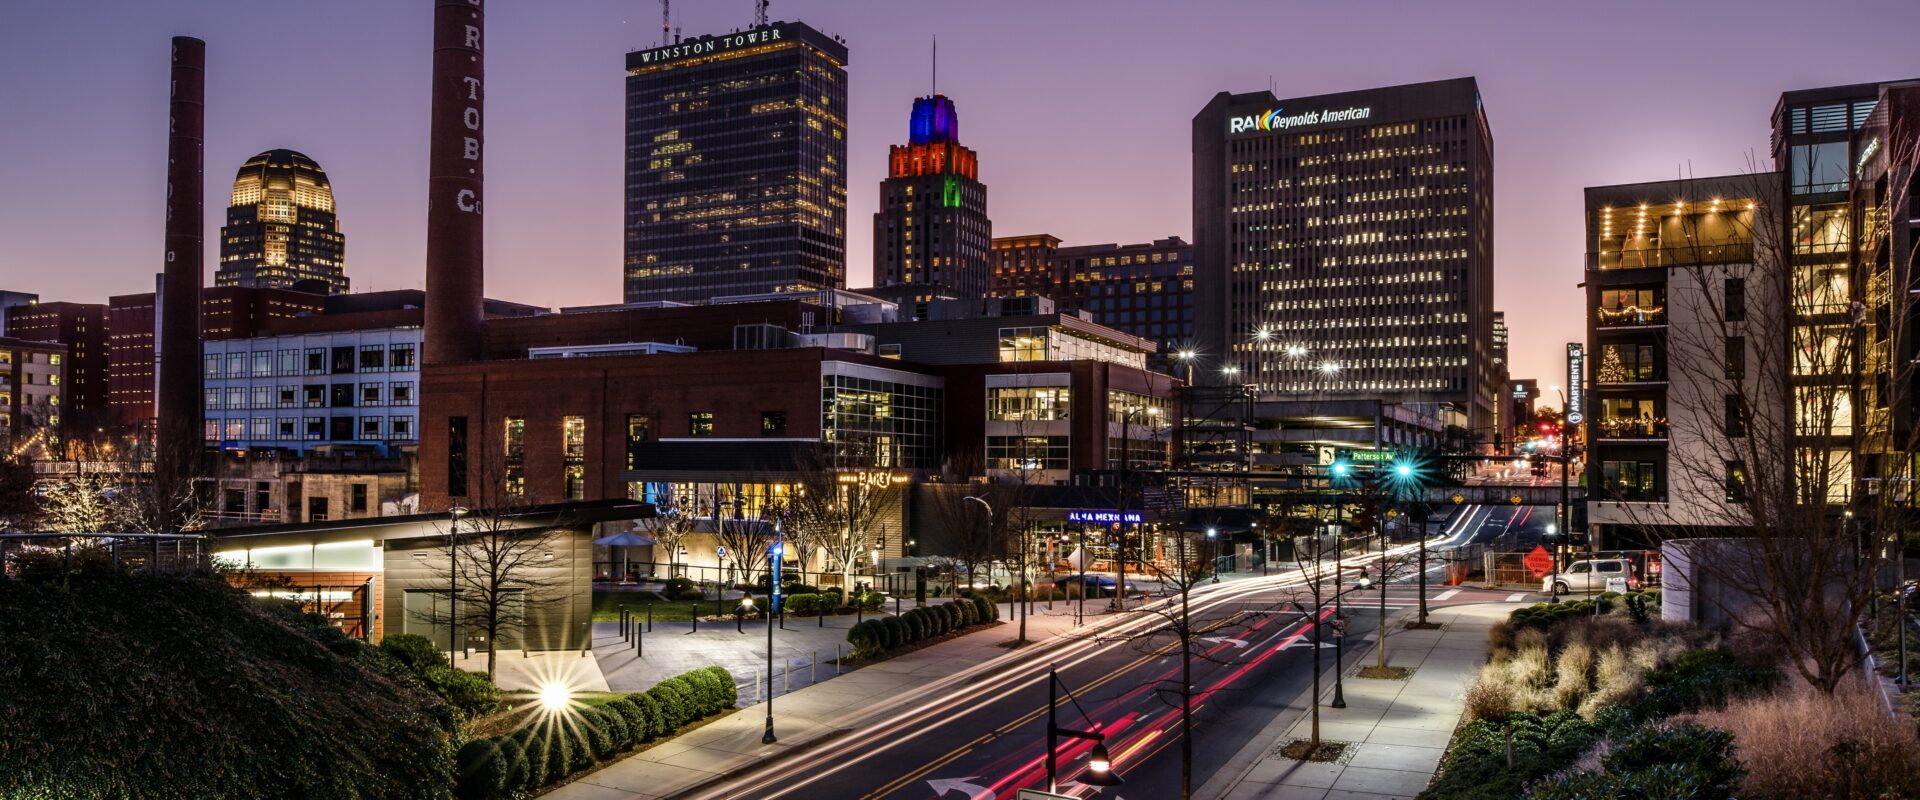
(1398,730)
(807,717)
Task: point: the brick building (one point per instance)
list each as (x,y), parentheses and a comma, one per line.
(82,327)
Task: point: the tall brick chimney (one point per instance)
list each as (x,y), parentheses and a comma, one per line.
(455,326)
(178,436)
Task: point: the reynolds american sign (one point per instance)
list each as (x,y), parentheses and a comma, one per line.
(700,47)
(1278,120)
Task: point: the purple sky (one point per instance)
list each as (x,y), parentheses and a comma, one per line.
(1079,110)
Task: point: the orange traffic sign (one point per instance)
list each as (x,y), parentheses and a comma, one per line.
(1539,561)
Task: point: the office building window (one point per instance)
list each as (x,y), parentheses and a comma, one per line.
(514,458)
(287,396)
(639,431)
(1736,358)
(341,395)
(400,393)
(369,394)
(210,430)
(236,365)
(262,363)
(1736,299)
(210,362)
(773,423)
(370,428)
(401,356)
(342,360)
(1631,481)
(400,428)
(1027,452)
(1736,415)
(576,479)
(316,429)
(1028,403)
(357,500)
(212,399)
(1736,481)
(314,396)
(457,456)
(316,363)
(1023,344)
(373,358)
(289,363)
(263,396)
(287,428)
(700,423)
(236,397)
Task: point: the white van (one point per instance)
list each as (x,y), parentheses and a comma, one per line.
(1590,577)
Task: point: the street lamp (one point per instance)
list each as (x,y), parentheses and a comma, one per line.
(778,554)
(454,516)
(1099,763)
(1186,357)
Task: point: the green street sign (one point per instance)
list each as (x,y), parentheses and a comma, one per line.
(1366,456)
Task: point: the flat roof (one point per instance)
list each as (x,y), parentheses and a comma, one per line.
(415,526)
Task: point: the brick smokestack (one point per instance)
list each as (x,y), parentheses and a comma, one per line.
(455,326)
(178,438)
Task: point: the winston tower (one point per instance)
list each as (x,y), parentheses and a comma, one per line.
(1344,246)
(736,165)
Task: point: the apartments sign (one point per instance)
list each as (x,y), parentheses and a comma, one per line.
(1576,391)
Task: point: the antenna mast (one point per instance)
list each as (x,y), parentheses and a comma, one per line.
(666,20)
(760,13)
(936,64)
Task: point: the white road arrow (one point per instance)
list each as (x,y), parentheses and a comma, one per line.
(1305,642)
(1238,644)
(971,790)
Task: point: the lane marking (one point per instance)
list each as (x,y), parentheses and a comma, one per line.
(1445,595)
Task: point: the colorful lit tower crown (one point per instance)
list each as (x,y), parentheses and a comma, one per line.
(931,234)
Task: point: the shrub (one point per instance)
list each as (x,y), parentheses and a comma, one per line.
(1700,679)
(870,600)
(896,630)
(565,752)
(415,651)
(810,604)
(868,639)
(969,616)
(1797,742)
(726,692)
(639,731)
(513,758)
(1683,762)
(480,774)
(1571,680)
(1476,763)
(470,692)
(675,705)
(988,611)
(655,717)
(683,590)
(598,725)
(533,757)
(916,623)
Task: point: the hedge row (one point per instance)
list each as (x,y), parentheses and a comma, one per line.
(816,603)
(1641,605)
(876,636)
(558,745)
(470,692)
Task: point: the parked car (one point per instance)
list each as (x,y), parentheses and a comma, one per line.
(1093,584)
(1590,577)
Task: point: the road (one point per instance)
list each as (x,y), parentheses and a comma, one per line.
(987,740)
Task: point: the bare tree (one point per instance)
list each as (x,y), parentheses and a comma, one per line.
(669,531)
(841,510)
(745,536)
(495,565)
(1791,469)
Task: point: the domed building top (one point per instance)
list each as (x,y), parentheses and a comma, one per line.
(283,178)
(281,228)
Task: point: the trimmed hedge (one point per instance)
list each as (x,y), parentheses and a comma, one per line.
(875,637)
(470,692)
(554,747)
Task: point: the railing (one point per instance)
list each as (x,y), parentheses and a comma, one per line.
(1630,316)
(1631,428)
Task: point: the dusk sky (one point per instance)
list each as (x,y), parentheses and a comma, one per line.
(1080,112)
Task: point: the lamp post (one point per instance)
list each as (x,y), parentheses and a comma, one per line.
(1339,472)
(778,554)
(1099,763)
(454,516)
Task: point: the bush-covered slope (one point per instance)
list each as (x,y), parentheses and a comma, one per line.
(181,687)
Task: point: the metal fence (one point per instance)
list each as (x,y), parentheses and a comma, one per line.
(159,553)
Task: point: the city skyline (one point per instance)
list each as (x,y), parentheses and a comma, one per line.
(1097,121)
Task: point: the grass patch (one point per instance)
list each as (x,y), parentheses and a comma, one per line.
(1305,750)
(1424,626)
(1385,673)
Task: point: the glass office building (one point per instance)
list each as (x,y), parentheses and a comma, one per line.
(1344,245)
(736,165)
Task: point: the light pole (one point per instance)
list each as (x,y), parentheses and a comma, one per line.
(1099,764)
(778,554)
(989,509)
(454,516)
(1339,474)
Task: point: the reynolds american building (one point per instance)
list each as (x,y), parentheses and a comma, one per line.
(1344,247)
(736,165)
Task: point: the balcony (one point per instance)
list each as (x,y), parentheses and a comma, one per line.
(1631,428)
(1630,317)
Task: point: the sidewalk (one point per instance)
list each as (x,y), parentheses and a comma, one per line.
(1398,729)
(806,717)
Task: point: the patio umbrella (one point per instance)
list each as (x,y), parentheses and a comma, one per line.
(624,540)
(1078,558)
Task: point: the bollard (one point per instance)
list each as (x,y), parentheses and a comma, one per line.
(756,684)
(813,668)
(623,624)
(822,619)
(836,659)
(696,616)
(785,675)
(649,617)
(639,643)
(896,605)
